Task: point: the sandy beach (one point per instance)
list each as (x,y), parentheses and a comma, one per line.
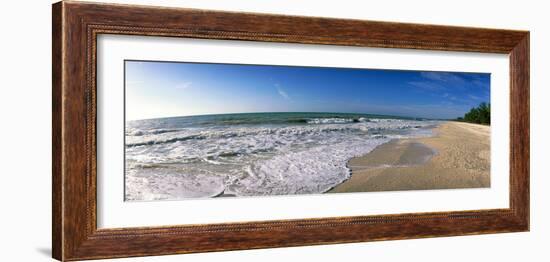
(457,156)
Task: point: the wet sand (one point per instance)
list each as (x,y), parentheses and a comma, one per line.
(457,156)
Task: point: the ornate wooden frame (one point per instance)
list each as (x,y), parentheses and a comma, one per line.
(76,26)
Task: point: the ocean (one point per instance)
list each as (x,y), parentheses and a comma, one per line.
(252,154)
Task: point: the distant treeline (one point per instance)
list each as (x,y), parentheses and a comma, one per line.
(479,115)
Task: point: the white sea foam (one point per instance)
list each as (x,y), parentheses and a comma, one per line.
(155,184)
(314,170)
(171,163)
(333,120)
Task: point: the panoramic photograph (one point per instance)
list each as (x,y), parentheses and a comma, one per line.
(209,130)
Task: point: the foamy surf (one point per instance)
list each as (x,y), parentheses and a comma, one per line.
(251,154)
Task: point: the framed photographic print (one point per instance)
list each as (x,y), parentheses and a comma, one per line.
(182,130)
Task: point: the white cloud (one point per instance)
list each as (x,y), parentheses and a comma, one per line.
(474,97)
(439,81)
(184,85)
(282,92)
(443,77)
(427,85)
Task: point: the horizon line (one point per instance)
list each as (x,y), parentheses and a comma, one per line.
(271,112)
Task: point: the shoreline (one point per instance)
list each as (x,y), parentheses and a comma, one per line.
(456,156)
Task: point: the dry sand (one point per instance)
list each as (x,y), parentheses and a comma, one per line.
(457,156)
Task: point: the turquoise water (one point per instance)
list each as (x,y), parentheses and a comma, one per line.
(256,119)
(252,154)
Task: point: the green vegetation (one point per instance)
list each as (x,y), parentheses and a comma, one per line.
(478,115)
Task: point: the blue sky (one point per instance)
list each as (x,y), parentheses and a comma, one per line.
(165,89)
